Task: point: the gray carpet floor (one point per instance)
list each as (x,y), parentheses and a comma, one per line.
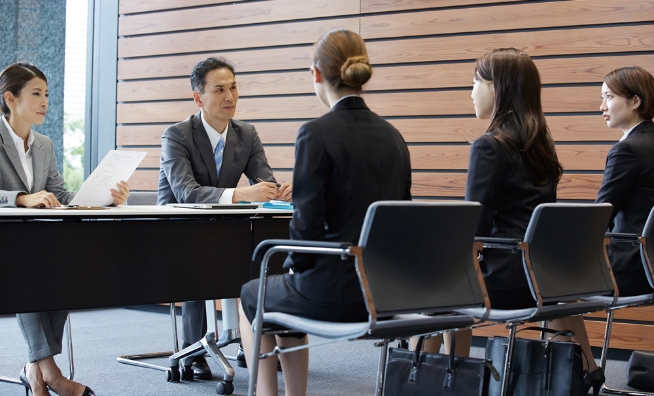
(99,336)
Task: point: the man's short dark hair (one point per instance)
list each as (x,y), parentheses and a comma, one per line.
(202,68)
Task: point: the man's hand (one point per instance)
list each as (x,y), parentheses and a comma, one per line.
(257,192)
(284,192)
(37,200)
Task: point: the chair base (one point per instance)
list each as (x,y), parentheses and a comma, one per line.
(134,359)
(69,351)
(207,345)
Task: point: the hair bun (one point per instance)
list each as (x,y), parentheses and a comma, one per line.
(356,71)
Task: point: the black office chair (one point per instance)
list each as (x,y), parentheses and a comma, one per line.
(564,256)
(646,242)
(412,258)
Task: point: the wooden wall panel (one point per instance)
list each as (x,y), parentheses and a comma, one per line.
(370,6)
(296,57)
(572,157)
(428,102)
(605,40)
(429,184)
(243,13)
(527,15)
(134,6)
(584,128)
(624,335)
(451,75)
(232,38)
(555,100)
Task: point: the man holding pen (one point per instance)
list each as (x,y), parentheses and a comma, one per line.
(202,160)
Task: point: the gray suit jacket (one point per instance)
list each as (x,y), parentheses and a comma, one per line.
(188,169)
(13,180)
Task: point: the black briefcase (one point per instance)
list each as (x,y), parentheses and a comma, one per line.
(539,367)
(416,373)
(640,371)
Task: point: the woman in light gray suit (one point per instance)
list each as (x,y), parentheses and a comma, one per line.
(29,178)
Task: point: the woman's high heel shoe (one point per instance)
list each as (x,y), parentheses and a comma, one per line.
(594,379)
(23,380)
(88,392)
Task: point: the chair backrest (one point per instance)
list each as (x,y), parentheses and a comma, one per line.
(418,257)
(647,248)
(142,198)
(566,250)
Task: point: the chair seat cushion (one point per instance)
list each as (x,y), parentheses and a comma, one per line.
(547,312)
(393,327)
(622,301)
(316,327)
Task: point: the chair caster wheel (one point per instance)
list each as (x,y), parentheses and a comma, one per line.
(172,374)
(225,388)
(187,373)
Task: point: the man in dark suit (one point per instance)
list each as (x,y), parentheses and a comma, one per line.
(202,160)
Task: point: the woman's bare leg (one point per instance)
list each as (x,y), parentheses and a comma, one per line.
(295,366)
(35,379)
(53,377)
(576,324)
(267,378)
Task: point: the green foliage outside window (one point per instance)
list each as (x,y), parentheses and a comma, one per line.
(73,153)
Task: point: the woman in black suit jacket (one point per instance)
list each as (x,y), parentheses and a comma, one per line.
(345,160)
(628,104)
(513,166)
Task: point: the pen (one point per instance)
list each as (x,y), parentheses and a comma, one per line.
(261,181)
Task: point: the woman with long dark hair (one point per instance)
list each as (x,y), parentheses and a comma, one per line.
(513,167)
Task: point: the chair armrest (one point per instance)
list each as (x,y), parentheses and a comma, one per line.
(624,237)
(499,243)
(266,245)
(621,235)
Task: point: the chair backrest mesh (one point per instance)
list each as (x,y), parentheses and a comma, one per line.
(648,248)
(142,198)
(565,249)
(418,256)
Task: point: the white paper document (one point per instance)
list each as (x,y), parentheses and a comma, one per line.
(116,166)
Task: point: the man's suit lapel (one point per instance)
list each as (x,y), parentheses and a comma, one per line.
(38,164)
(228,153)
(12,153)
(203,144)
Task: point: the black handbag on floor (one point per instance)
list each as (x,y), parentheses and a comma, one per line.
(539,367)
(416,373)
(640,371)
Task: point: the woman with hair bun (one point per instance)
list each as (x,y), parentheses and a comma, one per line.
(345,160)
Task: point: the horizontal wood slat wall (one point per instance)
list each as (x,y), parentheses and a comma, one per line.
(422,52)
